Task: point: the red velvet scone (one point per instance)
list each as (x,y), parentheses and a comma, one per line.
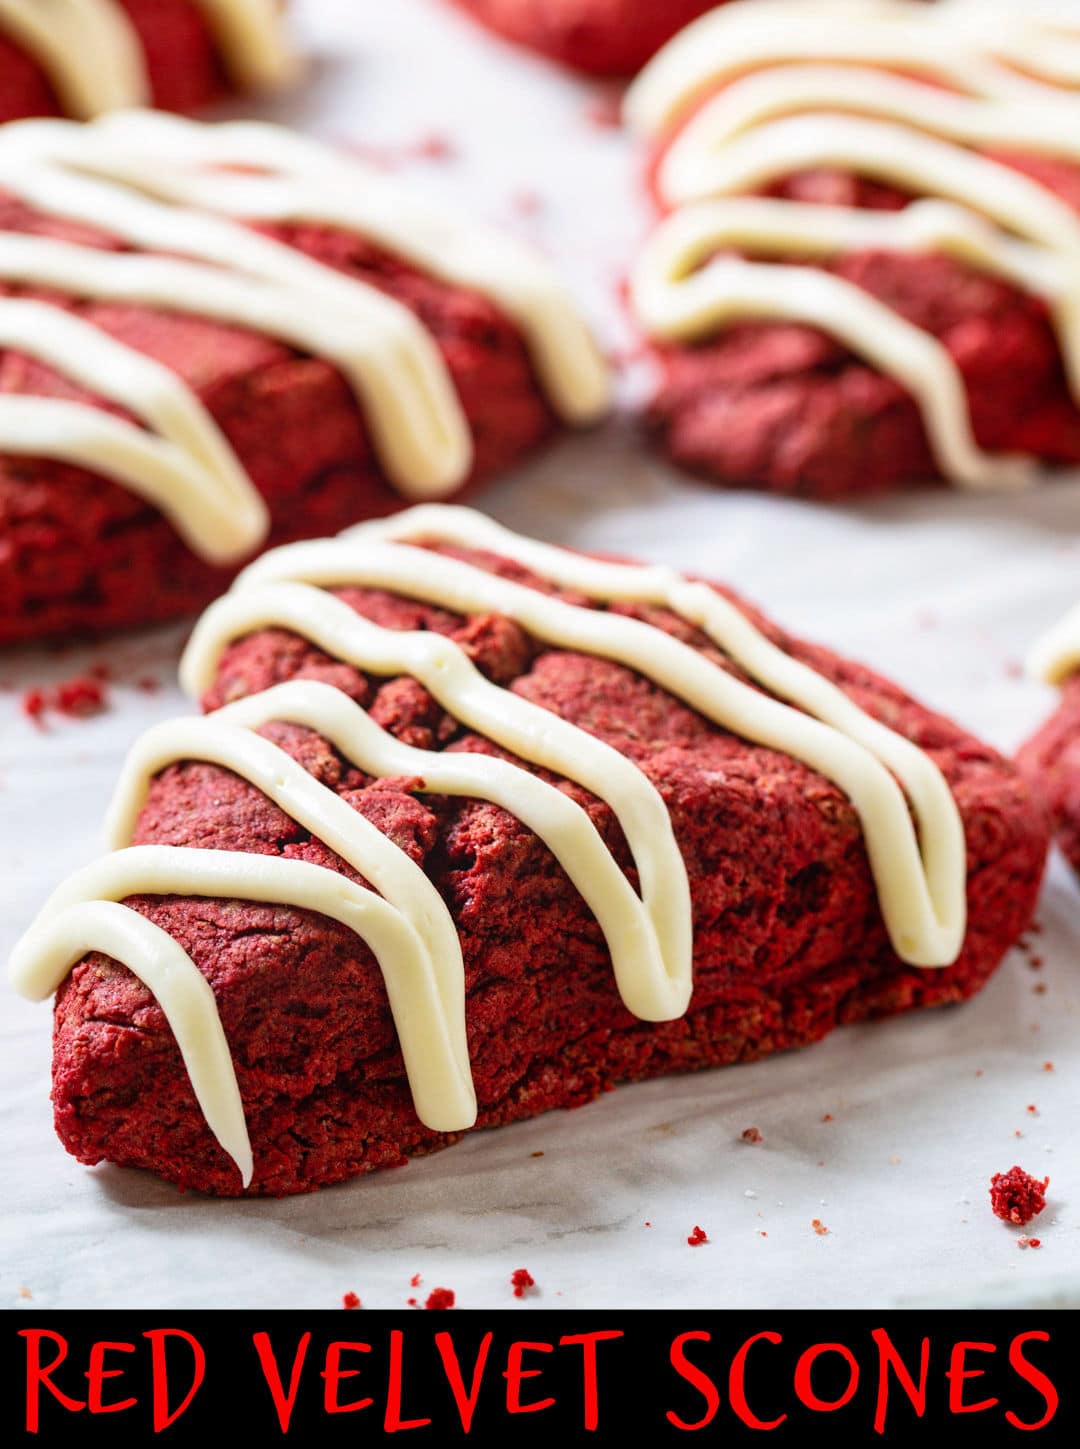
(89,56)
(1051,758)
(582,877)
(334,351)
(600,37)
(862,282)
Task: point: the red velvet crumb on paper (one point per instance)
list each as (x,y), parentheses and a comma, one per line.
(33,704)
(819,1227)
(521,1279)
(1016,1196)
(79,697)
(752,1134)
(440,1298)
(76,698)
(350,1300)
(414,1281)
(1048,1066)
(697,1237)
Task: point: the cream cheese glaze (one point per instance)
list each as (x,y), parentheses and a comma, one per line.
(831,86)
(149,180)
(1057,654)
(911,825)
(93,57)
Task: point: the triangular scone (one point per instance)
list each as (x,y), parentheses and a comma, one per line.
(586,871)
(217,337)
(865,277)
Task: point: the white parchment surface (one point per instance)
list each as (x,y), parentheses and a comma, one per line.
(943,591)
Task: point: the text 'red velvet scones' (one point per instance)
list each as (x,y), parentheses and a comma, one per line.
(600,37)
(475,827)
(1051,758)
(217,337)
(864,278)
(80,58)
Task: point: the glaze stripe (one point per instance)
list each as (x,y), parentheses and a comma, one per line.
(190,455)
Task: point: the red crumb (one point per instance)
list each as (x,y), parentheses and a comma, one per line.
(350,1300)
(819,1227)
(827,1117)
(33,704)
(148,684)
(412,1302)
(522,1279)
(752,1134)
(647,1223)
(1031,1107)
(1040,990)
(1035,962)
(697,1237)
(536,1154)
(78,698)
(434,147)
(414,1281)
(440,1298)
(1048,1066)
(1016,1196)
(762,1233)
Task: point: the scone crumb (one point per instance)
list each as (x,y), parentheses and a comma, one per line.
(697,1237)
(752,1135)
(522,1279)
(440,1298)
(1016,1196)
(350,1300)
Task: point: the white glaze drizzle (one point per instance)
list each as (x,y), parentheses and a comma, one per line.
(293,179)
(88,49)
(920,875)
(957,50)
(189,456)
(101,175)
(250,35)
(792,78)
(93,56)
(1057,654)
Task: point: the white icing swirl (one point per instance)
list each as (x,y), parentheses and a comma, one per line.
(106,175)
(799,90)
(914,836)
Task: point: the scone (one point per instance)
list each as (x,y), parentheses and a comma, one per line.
(865,276)
(599,37)
(80,58)
(475,827)
(213,338)
(1051,758)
